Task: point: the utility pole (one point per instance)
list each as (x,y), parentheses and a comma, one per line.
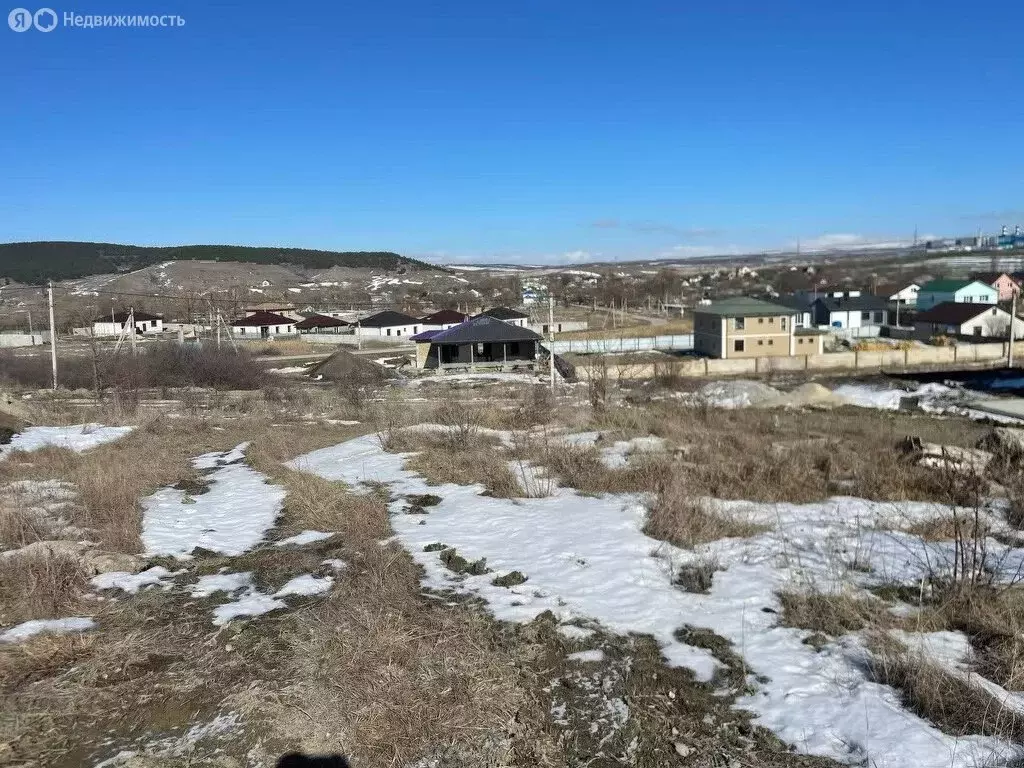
(53,335)
(131,322)
(1013,320)
(551,341)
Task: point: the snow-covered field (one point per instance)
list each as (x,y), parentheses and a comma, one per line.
(79,437)
(588,558)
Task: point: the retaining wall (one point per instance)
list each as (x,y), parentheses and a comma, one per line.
(980,355)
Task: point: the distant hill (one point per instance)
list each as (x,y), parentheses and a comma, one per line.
(38,262)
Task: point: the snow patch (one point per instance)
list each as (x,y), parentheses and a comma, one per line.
(131,583)
(78,438)
(240,506)
(306,537)
(306,585)
(587,657)
(22,632)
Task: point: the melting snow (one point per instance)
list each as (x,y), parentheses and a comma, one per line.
(588,557)
(78,438)
(587,657)
(27,629)
(306,585)
(221,582)
(131,583)
(306,537)
(230,518)
(251,604)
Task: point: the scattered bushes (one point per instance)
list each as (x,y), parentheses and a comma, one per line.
(156,365)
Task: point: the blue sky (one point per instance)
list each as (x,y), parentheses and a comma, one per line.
(526,131)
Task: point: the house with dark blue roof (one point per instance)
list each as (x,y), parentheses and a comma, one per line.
(480,343)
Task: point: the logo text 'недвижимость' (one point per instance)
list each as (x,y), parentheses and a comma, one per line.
(46,20)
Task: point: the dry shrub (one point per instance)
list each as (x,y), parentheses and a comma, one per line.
(322,505)
(19,527)
(680,519)
(993,619)
(487,468)
(953,704)
(834,614)
(39,586)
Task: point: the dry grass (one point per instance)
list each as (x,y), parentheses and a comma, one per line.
(39,586)
(953,704)
(834,614)
(679,519)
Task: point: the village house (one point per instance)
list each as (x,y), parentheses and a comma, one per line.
(1006,287)
(115,323)
(956,291)
(800,305)
(850,311)
(388,324)
(442,320)
(970,321)
(559,326)
(277,308)
(506,315)
(481,343)
(744,327)
(905,296)
(317,323)
(263,325)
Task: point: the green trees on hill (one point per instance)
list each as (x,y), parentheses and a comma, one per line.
(41,261)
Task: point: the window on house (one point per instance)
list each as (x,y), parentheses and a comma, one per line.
(771,342)
(783,321)
(760,321)
(737,345)
(760,342)
(398,332)
(415,329)
(865,315)
(389,331)
(739,323)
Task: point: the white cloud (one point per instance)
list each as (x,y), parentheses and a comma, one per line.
(853,242)
(692,251)
(577,257)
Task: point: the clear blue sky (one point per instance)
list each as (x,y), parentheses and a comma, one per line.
(528,131)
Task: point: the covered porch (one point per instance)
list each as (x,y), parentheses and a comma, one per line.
(480,356)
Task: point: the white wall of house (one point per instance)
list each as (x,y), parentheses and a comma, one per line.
(435,326)
(393,331)
(256,332)
(993,323)
(906,296)
(560,326)
(116,329)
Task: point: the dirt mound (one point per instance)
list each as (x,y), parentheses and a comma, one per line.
(810,394)
(738,393)
(344,366)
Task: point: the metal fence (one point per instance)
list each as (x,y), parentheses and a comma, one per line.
(680,341)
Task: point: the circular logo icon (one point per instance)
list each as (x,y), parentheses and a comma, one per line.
(45,20)
(20,20)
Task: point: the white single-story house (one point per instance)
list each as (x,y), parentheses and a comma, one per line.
(850,311)
(956,291)
(442,320)
(506,315)
(263,325)
(114,324)
(388,323)
(559,326)
(979,321)
(906,296)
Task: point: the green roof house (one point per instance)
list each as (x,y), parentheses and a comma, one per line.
(957,291)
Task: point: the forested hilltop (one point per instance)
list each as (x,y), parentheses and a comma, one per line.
(39,261)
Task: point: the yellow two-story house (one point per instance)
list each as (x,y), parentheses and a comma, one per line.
(741,327)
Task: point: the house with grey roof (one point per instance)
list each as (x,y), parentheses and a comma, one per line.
(480,343)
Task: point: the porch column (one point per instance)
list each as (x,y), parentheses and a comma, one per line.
(472,366)
(504,354)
